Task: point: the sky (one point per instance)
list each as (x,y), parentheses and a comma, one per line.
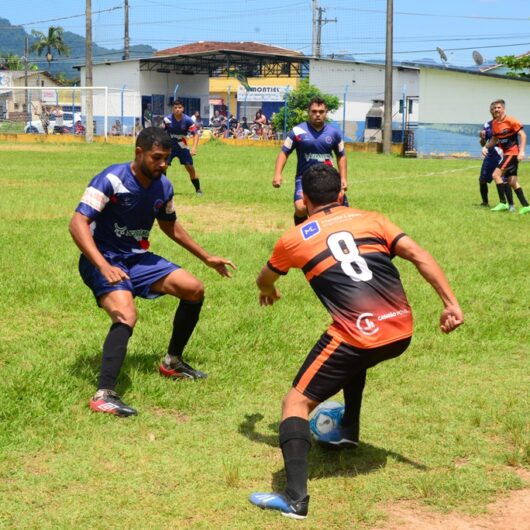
(353,27)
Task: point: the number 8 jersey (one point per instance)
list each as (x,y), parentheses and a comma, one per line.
(346,256)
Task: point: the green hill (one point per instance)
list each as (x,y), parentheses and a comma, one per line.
(12,41)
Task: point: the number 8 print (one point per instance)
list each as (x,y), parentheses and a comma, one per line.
(345,251)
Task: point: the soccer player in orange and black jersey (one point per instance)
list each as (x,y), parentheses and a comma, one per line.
(346,256)
(508,133)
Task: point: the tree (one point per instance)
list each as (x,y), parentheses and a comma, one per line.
(13,62)
(53,41)
(297,102)
(519,65)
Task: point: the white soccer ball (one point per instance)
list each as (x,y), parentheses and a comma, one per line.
(325,420)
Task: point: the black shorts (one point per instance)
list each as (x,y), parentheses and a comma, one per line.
(331,364)
(508,165)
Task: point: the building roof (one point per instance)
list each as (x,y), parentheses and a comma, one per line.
(202,47)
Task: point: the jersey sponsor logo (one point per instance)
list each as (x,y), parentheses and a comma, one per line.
(328,139)
(158,204)
(123,231)
(366,325)
(393,314)
(310,230)
(319,157)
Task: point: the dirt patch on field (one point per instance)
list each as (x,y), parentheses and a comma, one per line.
(219,218)
(510,512)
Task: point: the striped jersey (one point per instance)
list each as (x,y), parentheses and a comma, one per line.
(312,146)
(346,256)
(179,129)
(507,133)
(122,211)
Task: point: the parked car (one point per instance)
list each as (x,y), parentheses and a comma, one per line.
(69,119)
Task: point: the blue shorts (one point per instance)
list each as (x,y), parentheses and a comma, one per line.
(298,192)
(183,155)
(490,162)
(143,270)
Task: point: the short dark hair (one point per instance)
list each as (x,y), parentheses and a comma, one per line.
(151,136)
(501,101)
(316,100)
(178,102)
(321,183)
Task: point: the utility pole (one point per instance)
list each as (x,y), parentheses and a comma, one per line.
(88,73)
(126,35)
(26,53)
(387,116)
(318,22)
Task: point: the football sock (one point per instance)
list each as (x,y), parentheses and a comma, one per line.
(520,195)
(196,184)
(299,220)
(509,194)
(186,318)
(353,396)
(295,442)
(500,191)
(484,192)
(114,350)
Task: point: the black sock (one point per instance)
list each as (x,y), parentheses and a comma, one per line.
(196,184)
(509,194)
(500,191)
(484,192)
(299,220)
(520,195)
(186,318)
(295,442)
(114,350)
(353,396)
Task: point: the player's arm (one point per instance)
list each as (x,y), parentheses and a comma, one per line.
(175,231)
(522,144)
(492,141)
(280,164)
(268,292)
(452,315)
(196,139)
(342,165)
(80,232)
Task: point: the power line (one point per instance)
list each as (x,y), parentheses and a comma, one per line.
(67,18)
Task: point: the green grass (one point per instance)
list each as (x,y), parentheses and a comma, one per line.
(446,424)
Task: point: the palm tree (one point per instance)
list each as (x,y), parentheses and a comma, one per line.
(54,41)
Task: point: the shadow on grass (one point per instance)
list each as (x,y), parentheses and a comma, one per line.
(87,364)
(328,461)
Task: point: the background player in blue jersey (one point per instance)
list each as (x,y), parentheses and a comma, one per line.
(111,227)
(315,142)
(490,162)
(179,125)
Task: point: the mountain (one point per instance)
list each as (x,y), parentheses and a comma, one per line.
(12,40)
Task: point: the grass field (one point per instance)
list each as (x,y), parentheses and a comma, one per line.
(446,424)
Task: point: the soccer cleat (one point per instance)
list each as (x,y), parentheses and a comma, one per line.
(501,207)
(180,370)
(108,401)
(524,209)
(282,503)
(199,193)
(511,208)
(338,437)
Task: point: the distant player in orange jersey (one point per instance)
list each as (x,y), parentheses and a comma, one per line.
(508,133)
(346,256)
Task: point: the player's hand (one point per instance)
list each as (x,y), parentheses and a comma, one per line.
(113,274)
(451,318)
(484,151)
(193,152)
(277,181)
(520,156)
(344,185)
(483,134)
(220,265)
(269,298)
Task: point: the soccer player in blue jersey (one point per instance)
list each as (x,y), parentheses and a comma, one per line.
(179,125)
(489,164)
(315,141)
(111,227)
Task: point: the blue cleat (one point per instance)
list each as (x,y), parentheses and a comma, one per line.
(282,503)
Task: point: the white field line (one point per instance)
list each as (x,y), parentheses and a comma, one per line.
(449,172)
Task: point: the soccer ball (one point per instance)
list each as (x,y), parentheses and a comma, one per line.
(325,421)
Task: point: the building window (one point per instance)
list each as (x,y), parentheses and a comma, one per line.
(410,101)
